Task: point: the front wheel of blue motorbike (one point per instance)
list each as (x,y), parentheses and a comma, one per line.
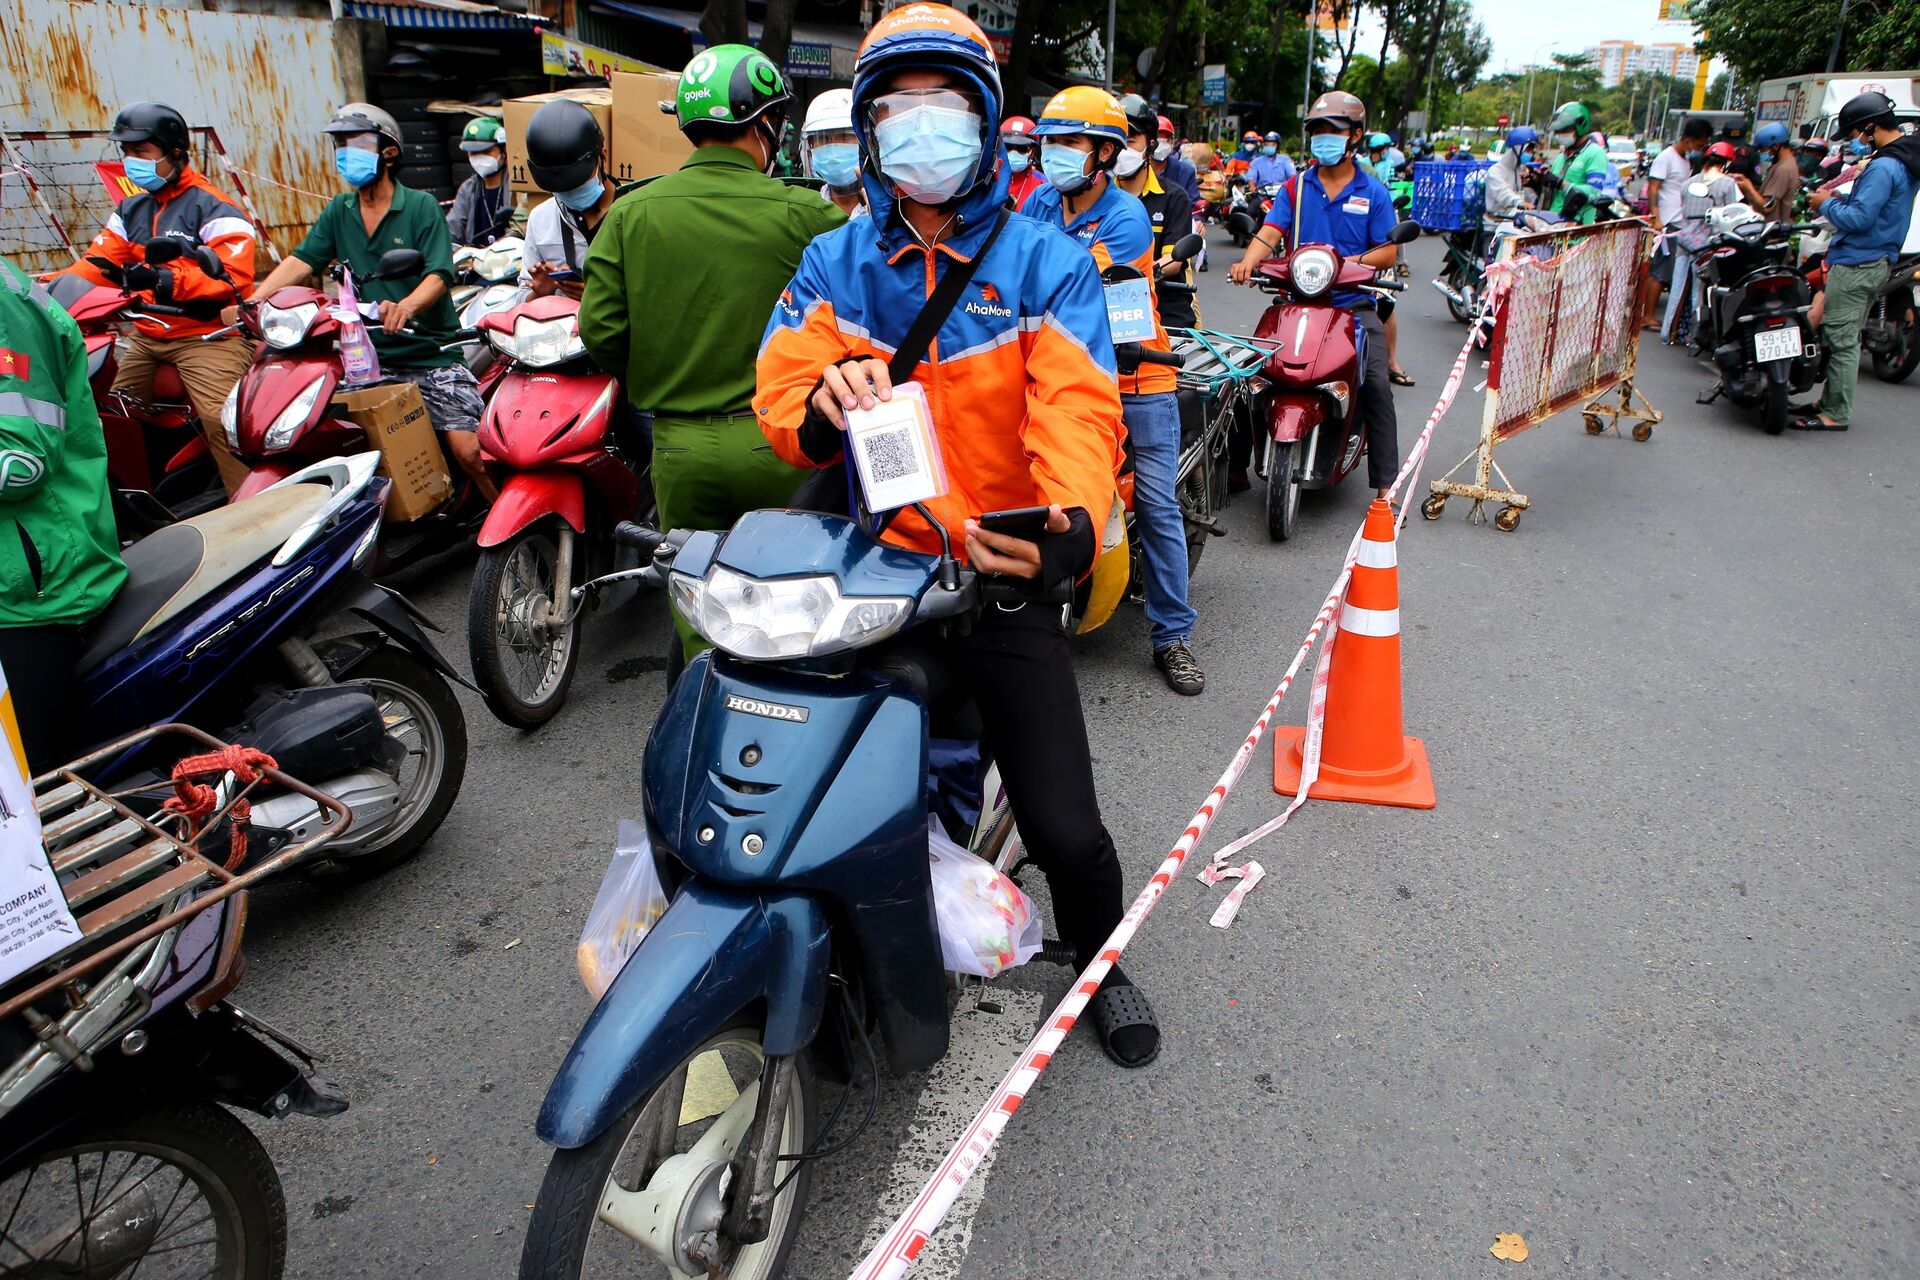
(604,1208)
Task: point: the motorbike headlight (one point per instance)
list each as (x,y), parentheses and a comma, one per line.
(287,328)
(230,417)
(281,433)
(1312,271)
(540,343)
(783,617)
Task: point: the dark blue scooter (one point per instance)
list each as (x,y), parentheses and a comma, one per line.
(256,623)
(786,790)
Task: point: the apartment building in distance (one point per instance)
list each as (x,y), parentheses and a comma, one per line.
(1615,60)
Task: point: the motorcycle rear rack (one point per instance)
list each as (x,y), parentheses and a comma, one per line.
(129,878)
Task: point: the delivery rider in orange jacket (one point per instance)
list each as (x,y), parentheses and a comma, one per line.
(1026,409)
(176,203)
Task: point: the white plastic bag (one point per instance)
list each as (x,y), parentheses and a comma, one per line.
(629,901)
(987,925)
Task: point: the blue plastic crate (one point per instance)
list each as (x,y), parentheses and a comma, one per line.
(1448,196)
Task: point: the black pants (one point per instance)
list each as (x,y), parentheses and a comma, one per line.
(1018,669)
(1376,405)
(39,663)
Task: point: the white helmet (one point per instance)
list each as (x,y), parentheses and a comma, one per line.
(831,112)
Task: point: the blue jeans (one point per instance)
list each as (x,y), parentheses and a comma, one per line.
(1153,424)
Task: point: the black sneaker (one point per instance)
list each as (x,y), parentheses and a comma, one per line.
(1182,672)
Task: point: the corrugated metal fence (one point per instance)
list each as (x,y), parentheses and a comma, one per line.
(265,83)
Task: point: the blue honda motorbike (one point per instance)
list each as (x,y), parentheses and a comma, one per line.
(255,623)
(786,795)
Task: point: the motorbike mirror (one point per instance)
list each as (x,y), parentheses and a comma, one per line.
(162,249)
(1121,271)
(399,264)
(1240,224)
(1404,232)
(210,262)
(1188,246)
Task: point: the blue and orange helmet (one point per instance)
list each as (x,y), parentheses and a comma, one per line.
(929,37)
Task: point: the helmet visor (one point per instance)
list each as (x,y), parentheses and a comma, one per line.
(900,101)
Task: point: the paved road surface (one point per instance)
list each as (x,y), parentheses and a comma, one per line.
(1641,988)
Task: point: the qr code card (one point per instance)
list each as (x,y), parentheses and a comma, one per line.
(895,451)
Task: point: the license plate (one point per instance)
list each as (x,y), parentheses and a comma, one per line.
(1776,344)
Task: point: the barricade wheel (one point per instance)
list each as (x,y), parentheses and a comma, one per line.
(1643,431)
(1433,506)
(1508,520)
(1594,425)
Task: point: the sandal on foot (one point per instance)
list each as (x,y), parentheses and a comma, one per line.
(1118,1008)
(1814,422)
(1399,377)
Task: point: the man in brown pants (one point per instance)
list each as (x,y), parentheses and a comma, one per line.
(176,203)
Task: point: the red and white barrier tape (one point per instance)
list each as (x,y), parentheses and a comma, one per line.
(910,1232)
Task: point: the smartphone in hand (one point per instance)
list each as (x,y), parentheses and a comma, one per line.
(1020,522)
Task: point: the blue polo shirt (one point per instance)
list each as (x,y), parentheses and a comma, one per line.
(1361,219)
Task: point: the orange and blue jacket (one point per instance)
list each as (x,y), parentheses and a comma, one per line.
(195,212)
(1116,230)
(1020,377)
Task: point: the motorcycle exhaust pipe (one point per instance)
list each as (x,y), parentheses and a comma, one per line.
(1450,293)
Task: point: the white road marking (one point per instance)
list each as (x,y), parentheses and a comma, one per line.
(983,1048)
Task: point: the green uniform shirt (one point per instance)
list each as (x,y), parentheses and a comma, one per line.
(59,552)
(683,275)
(413,221)
(1591,158)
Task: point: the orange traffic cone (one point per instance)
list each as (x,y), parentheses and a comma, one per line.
(1365,755)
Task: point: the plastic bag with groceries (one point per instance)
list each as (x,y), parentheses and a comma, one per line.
(630,900)
(987,923)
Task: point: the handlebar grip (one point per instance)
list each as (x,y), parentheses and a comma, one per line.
(1175,286)
(642,538)
(1150,356)
(1392,286)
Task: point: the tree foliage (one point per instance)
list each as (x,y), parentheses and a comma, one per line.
(1762,39)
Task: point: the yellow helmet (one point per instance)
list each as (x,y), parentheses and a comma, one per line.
(1101,594)
(1083,109)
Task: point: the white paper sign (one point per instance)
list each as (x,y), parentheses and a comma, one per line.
(34,920)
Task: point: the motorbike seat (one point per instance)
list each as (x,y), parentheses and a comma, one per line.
(167,387)
(171,570)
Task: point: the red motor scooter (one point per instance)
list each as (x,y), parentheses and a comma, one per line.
(1315,436)
(555,424)
(277,420)
(154,447)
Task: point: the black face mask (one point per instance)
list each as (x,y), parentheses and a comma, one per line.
(1809,165)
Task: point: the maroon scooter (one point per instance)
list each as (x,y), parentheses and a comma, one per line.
(1315,437)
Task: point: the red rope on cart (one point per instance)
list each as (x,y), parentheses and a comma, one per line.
(195,800)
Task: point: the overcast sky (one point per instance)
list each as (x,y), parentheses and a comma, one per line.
(1524,31)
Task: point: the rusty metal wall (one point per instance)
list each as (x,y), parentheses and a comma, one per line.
(266,84)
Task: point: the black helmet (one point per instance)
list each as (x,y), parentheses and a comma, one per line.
(1141,118)
(1865,109)
(563,145)
(154,122)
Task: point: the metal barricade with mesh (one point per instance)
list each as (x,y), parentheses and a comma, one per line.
(54,199)
(1565,332)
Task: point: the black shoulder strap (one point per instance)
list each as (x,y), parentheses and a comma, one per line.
(946,295)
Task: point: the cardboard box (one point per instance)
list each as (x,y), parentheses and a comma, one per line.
(516,112)
(395,419)
(646,140)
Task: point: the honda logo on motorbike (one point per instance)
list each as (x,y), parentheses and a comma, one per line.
(771,710)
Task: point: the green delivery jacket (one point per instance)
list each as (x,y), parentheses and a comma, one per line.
(1591,158)
(59,551)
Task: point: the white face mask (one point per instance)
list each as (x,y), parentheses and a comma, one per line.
(1129,161)
(484,165)
(1162,151)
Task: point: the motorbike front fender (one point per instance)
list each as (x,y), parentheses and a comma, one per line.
(396,616)
(715,952)
(1294,418)
(528,496)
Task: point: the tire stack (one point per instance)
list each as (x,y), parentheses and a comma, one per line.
(429,147)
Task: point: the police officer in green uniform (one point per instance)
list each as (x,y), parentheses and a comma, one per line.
(1581,154)
(712,245)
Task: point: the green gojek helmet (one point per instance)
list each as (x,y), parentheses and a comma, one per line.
(1571,116)
(729,85)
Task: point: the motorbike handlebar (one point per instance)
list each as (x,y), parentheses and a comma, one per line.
(1131,355)
(643,538)
(1175,286)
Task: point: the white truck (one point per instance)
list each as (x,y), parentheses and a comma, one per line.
(1811,102)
